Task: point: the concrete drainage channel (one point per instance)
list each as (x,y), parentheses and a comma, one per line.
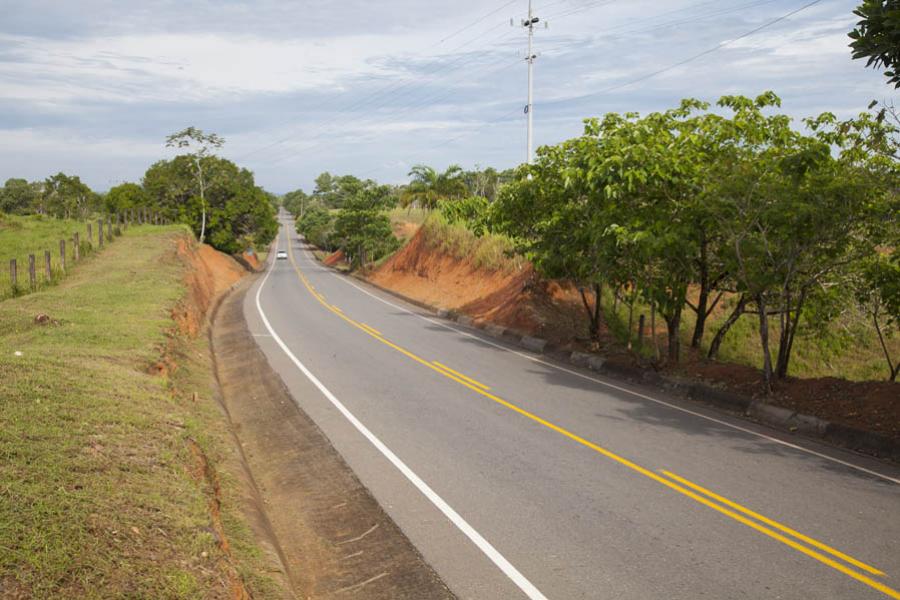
(785,419)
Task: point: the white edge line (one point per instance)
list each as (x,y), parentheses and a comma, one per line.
(616,387)
(498,559)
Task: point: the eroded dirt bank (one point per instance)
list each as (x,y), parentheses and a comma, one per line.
(334,539)
(516,299)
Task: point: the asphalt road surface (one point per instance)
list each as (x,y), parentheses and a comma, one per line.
(520,478)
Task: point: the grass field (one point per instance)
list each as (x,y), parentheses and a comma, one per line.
(100,495)
(33,234)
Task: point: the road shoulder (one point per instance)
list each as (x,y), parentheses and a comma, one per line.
(331,534)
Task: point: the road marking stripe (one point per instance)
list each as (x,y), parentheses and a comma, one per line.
(624,461)
(370,328)
(532,358)
(461,376)
(337,308)
(492,553)
(774,524)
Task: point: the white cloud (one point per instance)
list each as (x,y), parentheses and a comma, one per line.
(96,96)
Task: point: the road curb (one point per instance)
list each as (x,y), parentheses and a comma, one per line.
(756,410)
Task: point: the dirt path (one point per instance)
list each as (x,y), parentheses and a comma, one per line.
(333,538)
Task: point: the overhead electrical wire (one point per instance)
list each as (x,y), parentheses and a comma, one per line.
(703,53)
(477,21)
(393,86)
(668,68)
(431,99)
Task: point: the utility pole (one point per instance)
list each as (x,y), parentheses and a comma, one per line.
(529,109)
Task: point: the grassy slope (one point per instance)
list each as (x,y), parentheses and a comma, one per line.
(97,497)
(490,252)
(21,236)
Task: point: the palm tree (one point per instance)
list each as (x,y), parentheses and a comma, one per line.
(428,187)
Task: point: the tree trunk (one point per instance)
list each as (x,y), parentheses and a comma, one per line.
(764,340)
(703,298)
(203,224)
(892,369)
(731,320)
(673,323)
(593,312)
(631,315)
(653,331)
(786,341)
(202,201)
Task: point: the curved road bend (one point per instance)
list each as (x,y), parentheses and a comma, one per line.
(516,477)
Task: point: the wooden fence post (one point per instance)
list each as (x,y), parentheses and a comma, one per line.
(77,246)
(109,235)
(62,255)
(100,233)
(13,273)
(90,237)
(641,330)
(48,270)
(32,276)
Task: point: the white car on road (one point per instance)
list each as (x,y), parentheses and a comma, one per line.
(281,255)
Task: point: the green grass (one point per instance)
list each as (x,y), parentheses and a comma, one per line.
(408,215)
(847,348)
(21,236)
(96,496)
(489,252)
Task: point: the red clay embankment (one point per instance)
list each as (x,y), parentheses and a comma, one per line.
(512,296)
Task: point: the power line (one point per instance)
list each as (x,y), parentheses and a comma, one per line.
(421,103)
(387,88)
(477,21)
(700,54)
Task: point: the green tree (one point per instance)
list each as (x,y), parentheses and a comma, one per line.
(296,202)
(362,228)
(67,197)
(18,196)
(317,226)
(877,36)
(428,187)
(125,196)
(235,212)
(203,145)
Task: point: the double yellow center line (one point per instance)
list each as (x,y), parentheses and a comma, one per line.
(791,538)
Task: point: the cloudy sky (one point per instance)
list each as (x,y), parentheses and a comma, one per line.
(92,87)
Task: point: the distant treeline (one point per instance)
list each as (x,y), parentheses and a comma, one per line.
(240,214)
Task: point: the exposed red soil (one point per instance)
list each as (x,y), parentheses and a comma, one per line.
(552,310)
(334,258)
(518,300)
(252,259)
(209,274)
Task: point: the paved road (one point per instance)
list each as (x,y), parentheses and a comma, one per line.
(517,477)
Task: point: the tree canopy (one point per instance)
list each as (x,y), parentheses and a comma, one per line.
(239,213)
(743,204)
(877,37)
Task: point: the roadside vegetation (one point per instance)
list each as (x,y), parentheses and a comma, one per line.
(113,453)
(216,198)
(742,235)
